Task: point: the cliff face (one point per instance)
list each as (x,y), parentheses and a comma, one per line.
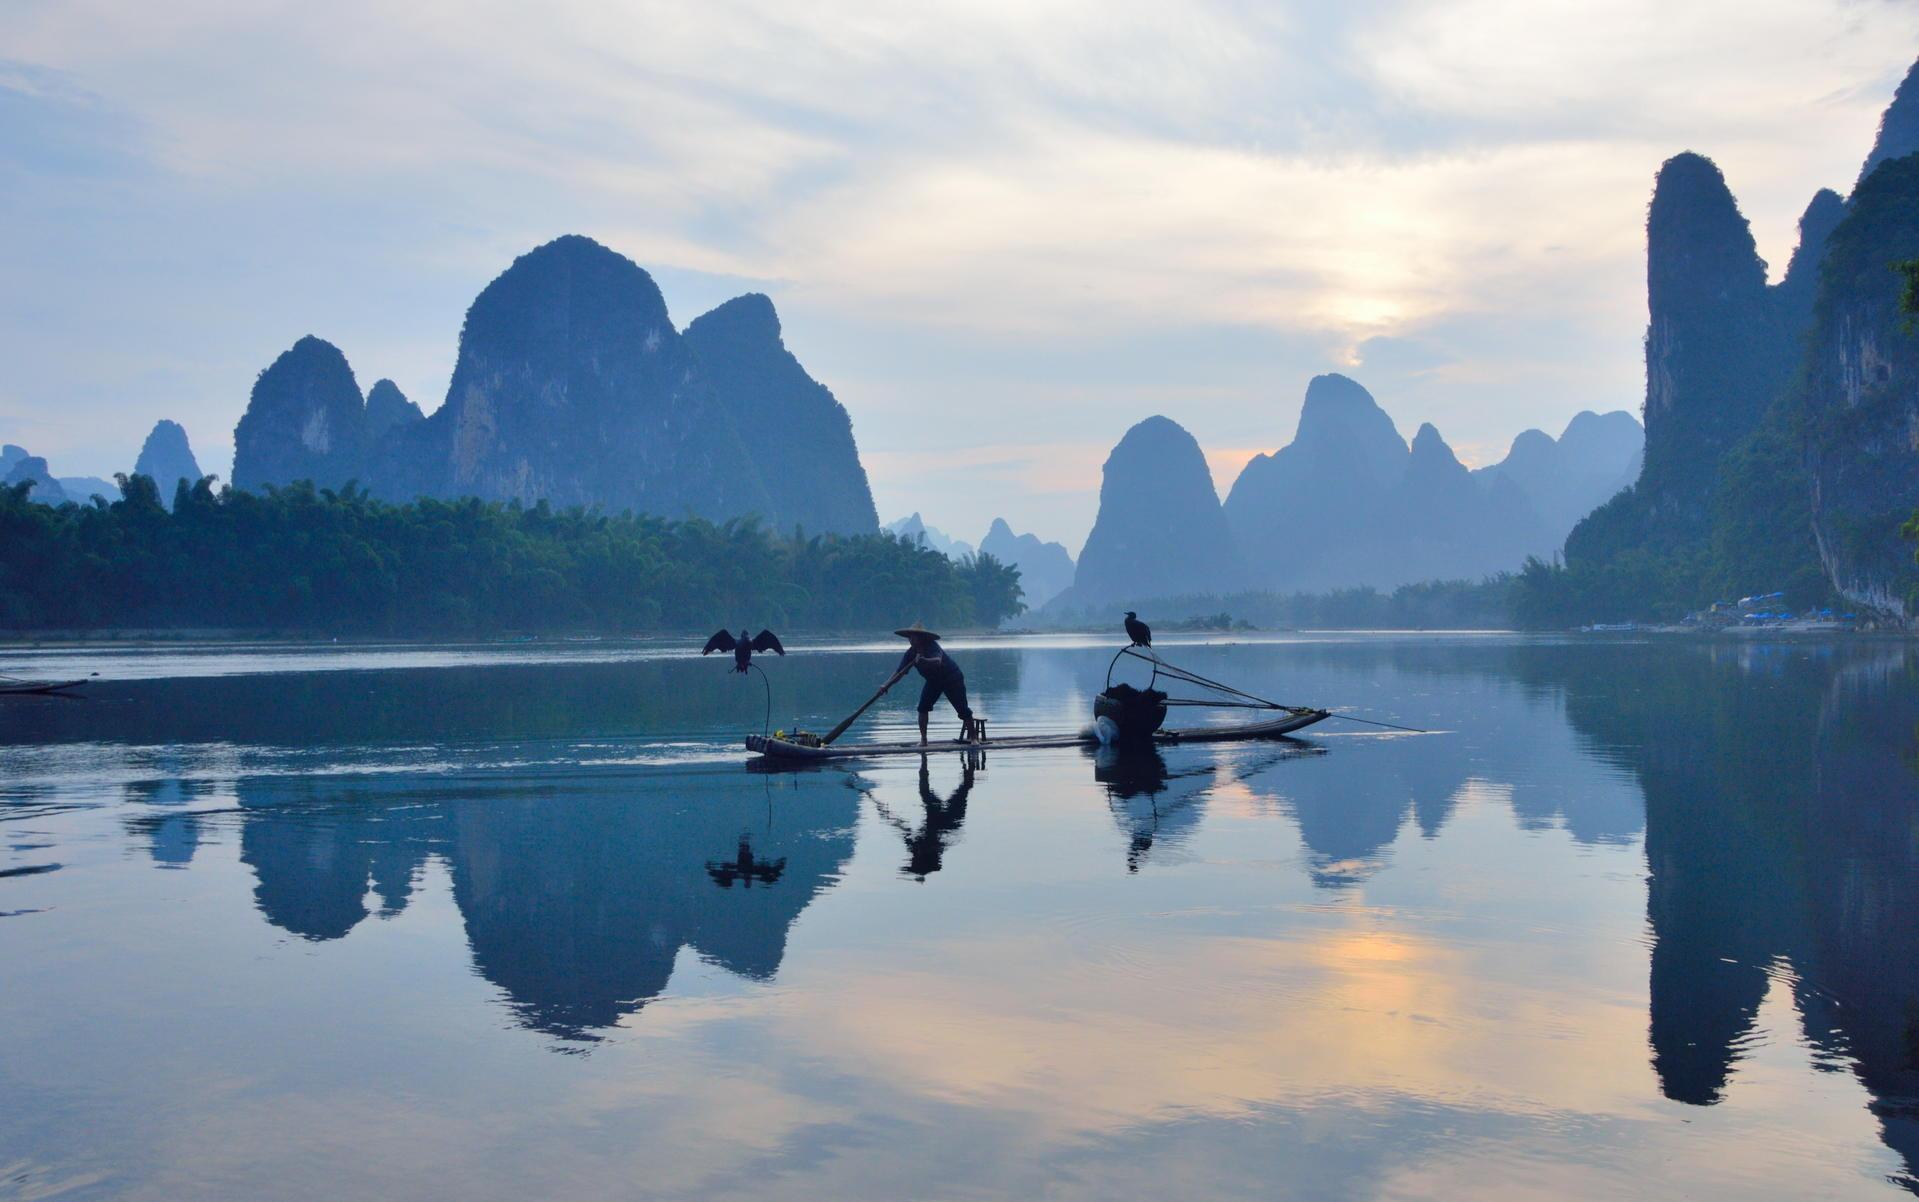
(1045,569)
(1861,400)
(1716,355)
(1721,351)
(305,420)
(1160,531)
(1780,447)
(167,459)
(798,437)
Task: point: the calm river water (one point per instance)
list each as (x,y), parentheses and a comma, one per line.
(1640,920)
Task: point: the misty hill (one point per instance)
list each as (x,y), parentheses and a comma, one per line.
(84,488)
(306,420)
(48,488)
(572,386)
(168,460)
(1045,569)
(388,410)
(32,468)
(1439,523)
(799,436)
(1160,530)
(1348,503)
(1565,479)
(1307,516)
(913,527)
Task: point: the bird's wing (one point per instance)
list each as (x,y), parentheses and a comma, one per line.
(722,641)
(766,640)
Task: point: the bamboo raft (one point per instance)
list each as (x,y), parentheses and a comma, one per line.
(773,747)
(12,685)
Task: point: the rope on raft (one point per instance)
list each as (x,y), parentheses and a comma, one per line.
(1243,699)
(1240,698)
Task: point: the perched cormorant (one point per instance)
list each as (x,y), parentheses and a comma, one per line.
(743,647)
(1138,631)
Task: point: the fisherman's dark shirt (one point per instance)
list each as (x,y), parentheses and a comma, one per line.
(932,661)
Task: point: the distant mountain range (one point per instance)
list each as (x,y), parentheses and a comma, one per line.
(912,528)
(1348,503)
(1777,450)
(1045,569)
(166,449)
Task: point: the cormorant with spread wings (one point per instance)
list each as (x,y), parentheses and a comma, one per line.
(743,647)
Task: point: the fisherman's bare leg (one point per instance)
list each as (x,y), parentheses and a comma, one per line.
(923,717)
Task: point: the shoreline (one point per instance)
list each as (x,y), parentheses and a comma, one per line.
(198,637)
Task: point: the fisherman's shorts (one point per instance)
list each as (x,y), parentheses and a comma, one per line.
(954,686)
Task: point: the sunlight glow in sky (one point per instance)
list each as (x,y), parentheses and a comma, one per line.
(1000,232)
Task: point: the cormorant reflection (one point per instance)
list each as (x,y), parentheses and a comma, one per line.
(941,826)
(745,868)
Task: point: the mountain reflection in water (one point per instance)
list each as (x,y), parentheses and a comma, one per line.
(578,922)
(1629,919)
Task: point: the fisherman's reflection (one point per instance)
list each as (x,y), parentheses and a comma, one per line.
(941,827)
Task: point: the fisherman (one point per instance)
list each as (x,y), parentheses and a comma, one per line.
(942,675)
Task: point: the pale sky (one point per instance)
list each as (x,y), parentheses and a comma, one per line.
(1001,232)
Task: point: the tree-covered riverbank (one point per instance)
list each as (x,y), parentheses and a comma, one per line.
(301,559)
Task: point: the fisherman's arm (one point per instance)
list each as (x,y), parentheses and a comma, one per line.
(906,665)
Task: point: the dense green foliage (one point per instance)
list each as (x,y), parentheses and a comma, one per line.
(1908,270)
(1620,568)
(320,560)
(1432,605)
